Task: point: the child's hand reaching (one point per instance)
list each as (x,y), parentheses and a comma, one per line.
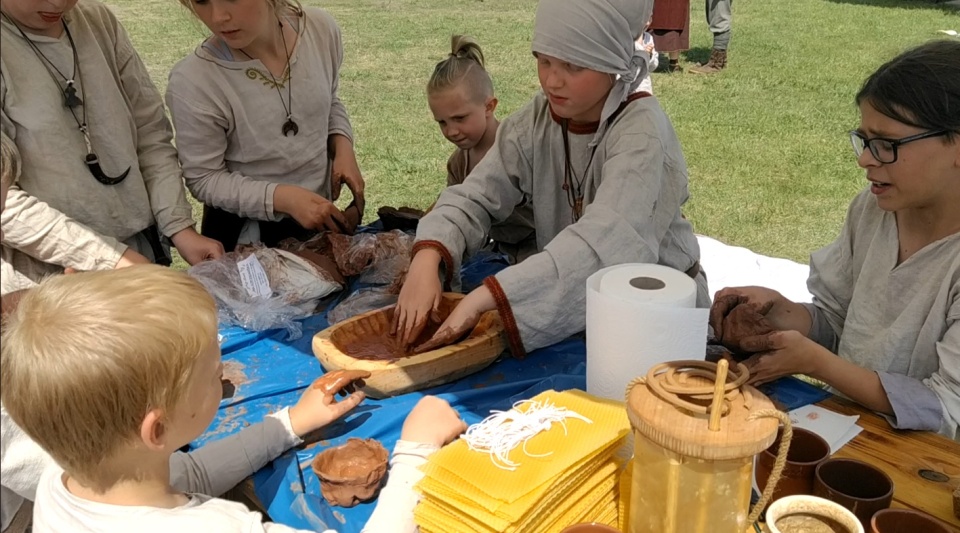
(432,421)
(318,406)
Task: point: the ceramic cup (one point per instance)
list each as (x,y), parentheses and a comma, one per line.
(905,521)
(804,513)
(862,488)
(592,527)
(807,450)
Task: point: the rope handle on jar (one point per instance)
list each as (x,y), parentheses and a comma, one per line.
(778,464)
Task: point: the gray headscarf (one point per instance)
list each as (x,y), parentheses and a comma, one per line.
(599,35)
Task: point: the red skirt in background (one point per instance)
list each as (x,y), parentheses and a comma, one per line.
(670,25)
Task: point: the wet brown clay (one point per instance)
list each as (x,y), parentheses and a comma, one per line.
(403,218)
(382,346)
(741,322)
(351,473)
(336,381)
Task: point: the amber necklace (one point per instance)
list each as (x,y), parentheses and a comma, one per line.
(573,184)
(290,126)
(71,101)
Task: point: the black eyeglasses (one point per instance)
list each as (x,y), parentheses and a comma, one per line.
(885,150)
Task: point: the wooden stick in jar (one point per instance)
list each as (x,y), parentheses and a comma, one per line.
(716,409)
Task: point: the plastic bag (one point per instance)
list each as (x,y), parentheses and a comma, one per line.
(360,302)
(357,253)
(275,294)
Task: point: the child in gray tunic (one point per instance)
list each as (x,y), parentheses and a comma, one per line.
(460,94)
(884,326)
(599,162)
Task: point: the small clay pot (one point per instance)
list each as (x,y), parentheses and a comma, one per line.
(807,451)
(592,527)
(351,473)
(862,488)
(905,521)
(803,514)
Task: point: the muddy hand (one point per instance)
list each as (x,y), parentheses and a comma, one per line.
(341,382)
(460,322)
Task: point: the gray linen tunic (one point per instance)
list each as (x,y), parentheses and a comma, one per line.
(58,215)
(634,188)
(903,321)
(229,118)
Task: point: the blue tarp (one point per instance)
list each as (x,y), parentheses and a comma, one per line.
(276,371)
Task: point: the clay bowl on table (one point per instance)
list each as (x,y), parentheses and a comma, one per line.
(364,343)
(351,473)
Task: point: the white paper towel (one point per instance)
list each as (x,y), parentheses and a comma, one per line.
(639,315)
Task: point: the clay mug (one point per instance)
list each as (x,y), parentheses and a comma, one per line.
(807,451)
(862,488)
(802,513)
(592,527)
(905,521)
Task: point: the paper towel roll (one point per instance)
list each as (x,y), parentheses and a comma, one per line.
(639,315)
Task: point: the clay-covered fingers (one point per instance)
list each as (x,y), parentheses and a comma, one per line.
(723,303)
(445,336)
(761,343)
(341,382)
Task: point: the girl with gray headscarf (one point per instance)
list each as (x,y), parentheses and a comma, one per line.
(599,162)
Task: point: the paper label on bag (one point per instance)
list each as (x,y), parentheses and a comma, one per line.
(254,277)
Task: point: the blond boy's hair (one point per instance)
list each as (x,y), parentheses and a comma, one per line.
(464,63)
(9,162)
(84,358)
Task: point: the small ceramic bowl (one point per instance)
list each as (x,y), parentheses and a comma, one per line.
(792,514)
(351,473)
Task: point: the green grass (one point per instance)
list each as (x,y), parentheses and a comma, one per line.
(765,141)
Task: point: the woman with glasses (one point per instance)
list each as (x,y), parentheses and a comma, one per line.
(884,326)
(100,185)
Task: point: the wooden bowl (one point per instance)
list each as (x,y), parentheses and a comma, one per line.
(363,343)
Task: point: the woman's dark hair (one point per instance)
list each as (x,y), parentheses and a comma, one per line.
(920,87)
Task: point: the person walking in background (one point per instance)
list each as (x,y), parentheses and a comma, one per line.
(670,27)
(719,16)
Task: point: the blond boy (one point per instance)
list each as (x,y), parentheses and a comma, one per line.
(131,375)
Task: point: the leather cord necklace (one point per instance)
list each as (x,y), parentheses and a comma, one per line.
(574,193)
(71,101)
(290,126)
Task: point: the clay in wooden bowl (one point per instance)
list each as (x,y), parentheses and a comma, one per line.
(351,473)
(364,343)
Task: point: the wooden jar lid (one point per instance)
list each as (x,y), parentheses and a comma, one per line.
(675,426)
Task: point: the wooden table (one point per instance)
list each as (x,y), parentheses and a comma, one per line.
(924,466)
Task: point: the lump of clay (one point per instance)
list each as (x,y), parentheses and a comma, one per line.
(341,381)
(403,218)
(351,473)
(743,321)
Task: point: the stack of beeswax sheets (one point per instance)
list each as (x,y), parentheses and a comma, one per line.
(566,476)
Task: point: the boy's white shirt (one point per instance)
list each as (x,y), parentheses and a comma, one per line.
(21,463)
(212,470)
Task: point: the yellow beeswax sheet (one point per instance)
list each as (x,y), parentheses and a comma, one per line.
(623,505)
(600,484)
(580,440)
(455,490)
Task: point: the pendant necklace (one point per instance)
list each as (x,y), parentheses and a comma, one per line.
(71,101)
(290,126)
(574,193)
